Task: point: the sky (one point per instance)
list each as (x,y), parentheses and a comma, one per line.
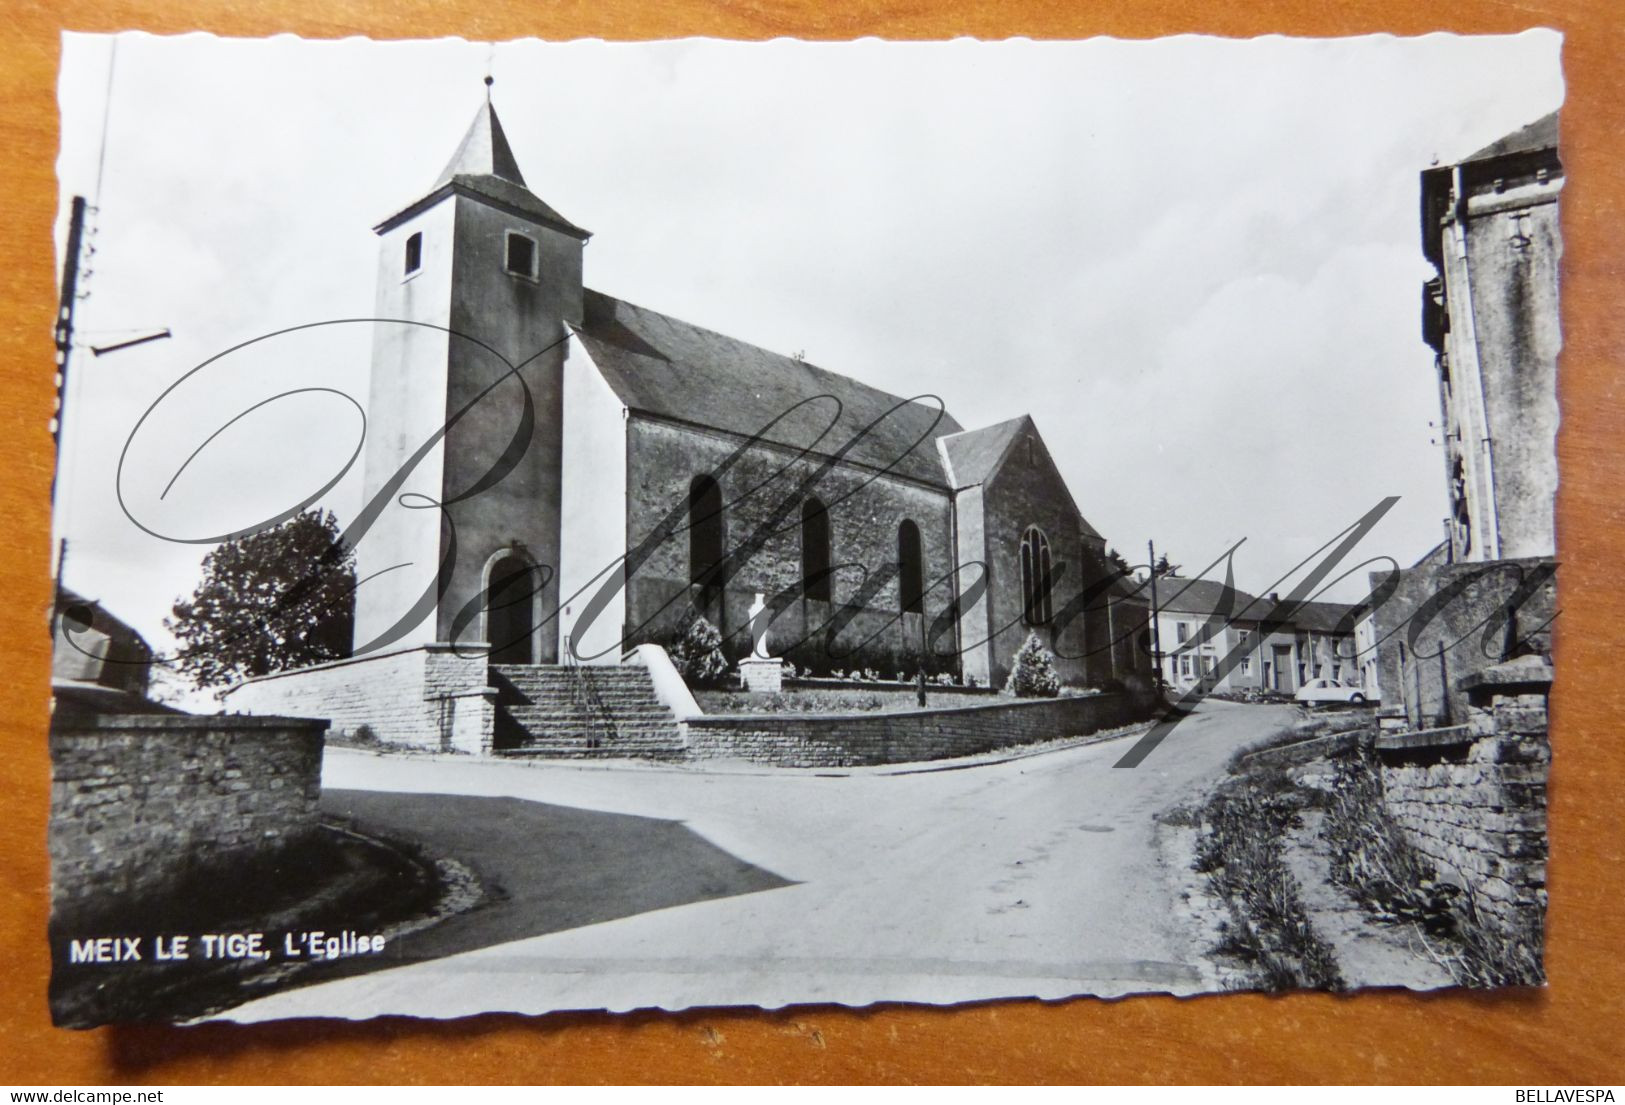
(1195,262)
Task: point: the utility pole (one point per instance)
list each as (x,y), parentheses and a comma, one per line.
(1156,628)
(64,326)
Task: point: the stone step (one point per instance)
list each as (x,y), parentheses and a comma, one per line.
(627,672)
(527,716)
(533,728)
(557,712)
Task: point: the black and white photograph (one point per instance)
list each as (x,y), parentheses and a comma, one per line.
(551,526)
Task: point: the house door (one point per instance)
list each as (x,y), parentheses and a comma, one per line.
(1283,667)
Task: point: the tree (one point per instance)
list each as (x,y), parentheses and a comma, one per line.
(1033,675)
(698,655)
(1114,560)
(1164,567)
(277,599)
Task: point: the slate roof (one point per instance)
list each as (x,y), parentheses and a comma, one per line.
(1323,617)
(972,456)
(662,366)
(1203,596)
(1539,135)
(484,151)
(484,166)
(1179,595)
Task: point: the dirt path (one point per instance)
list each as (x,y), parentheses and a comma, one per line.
(1369,953)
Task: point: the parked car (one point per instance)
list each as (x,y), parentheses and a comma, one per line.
(1321,692)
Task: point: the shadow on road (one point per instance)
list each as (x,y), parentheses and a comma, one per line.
(543,868)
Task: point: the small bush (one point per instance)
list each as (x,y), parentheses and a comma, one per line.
(698,656)
(1033,675)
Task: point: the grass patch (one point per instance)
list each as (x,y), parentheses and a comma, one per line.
(1240,851)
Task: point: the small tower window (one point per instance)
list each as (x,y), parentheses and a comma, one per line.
(521,255)
(414,253)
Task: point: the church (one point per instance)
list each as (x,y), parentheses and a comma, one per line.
(563,475)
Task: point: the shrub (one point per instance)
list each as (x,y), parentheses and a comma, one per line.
(698,656)
(1034,673)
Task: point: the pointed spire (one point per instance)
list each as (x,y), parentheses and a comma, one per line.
(485,169)
(484,150)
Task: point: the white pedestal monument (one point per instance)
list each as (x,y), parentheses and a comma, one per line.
(763,674)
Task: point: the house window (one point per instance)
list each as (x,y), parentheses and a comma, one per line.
(910,569)
(521,255)
(1184,631)
(705,534)
(1184,665)
(1035,577)
(1246,665)
(815,552)
(414,253)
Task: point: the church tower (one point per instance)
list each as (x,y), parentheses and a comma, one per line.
(477,281)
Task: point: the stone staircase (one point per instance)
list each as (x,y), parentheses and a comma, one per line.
(582,712)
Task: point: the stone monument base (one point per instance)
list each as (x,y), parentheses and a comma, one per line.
(762,676)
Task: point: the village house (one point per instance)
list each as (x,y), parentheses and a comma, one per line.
(1490,315)
(1317,641)
(1325,635)
(99,664)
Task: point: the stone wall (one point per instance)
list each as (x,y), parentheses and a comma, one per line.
(1476,807)
(861,627)
(1444,622)
(845,740)
(141,802)
(432,697)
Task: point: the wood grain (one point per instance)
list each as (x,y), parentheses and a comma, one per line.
(1566,1033)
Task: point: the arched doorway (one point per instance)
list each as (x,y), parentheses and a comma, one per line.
(510,606)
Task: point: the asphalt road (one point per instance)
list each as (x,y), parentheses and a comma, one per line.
(1033,877)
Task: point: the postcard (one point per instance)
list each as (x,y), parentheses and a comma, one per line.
(584,526)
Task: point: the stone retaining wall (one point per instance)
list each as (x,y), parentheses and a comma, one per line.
(139,802)
(847,740)
(1477,810)
(433,697)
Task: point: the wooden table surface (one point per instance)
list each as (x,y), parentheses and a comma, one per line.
(1568,1033)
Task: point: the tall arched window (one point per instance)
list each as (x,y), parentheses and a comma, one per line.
(705,533)
(1035,577)
(815,553)
(910,569)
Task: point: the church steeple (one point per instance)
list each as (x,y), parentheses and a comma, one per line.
(485,169)
(484,150)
